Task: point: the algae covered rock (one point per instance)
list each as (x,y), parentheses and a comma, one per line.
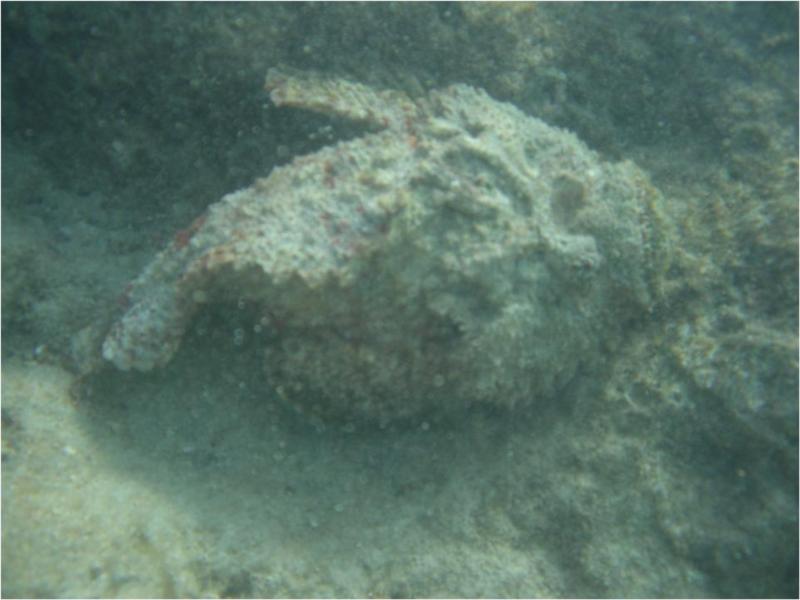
(461,252)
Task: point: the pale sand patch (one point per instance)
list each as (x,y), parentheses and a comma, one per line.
(72,526)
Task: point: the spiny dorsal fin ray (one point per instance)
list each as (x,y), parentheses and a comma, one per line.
(383,109)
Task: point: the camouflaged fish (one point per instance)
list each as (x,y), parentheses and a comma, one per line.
(459,252)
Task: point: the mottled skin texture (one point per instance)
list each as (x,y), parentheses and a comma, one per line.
(461,253)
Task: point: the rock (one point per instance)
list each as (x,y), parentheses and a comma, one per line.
(462,252)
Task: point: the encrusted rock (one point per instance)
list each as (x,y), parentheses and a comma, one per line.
(462,252)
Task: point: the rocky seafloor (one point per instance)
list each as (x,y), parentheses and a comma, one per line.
(661,461)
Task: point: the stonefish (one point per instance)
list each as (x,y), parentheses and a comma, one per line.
(459,252)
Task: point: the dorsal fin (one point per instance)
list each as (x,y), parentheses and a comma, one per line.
(339,97)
